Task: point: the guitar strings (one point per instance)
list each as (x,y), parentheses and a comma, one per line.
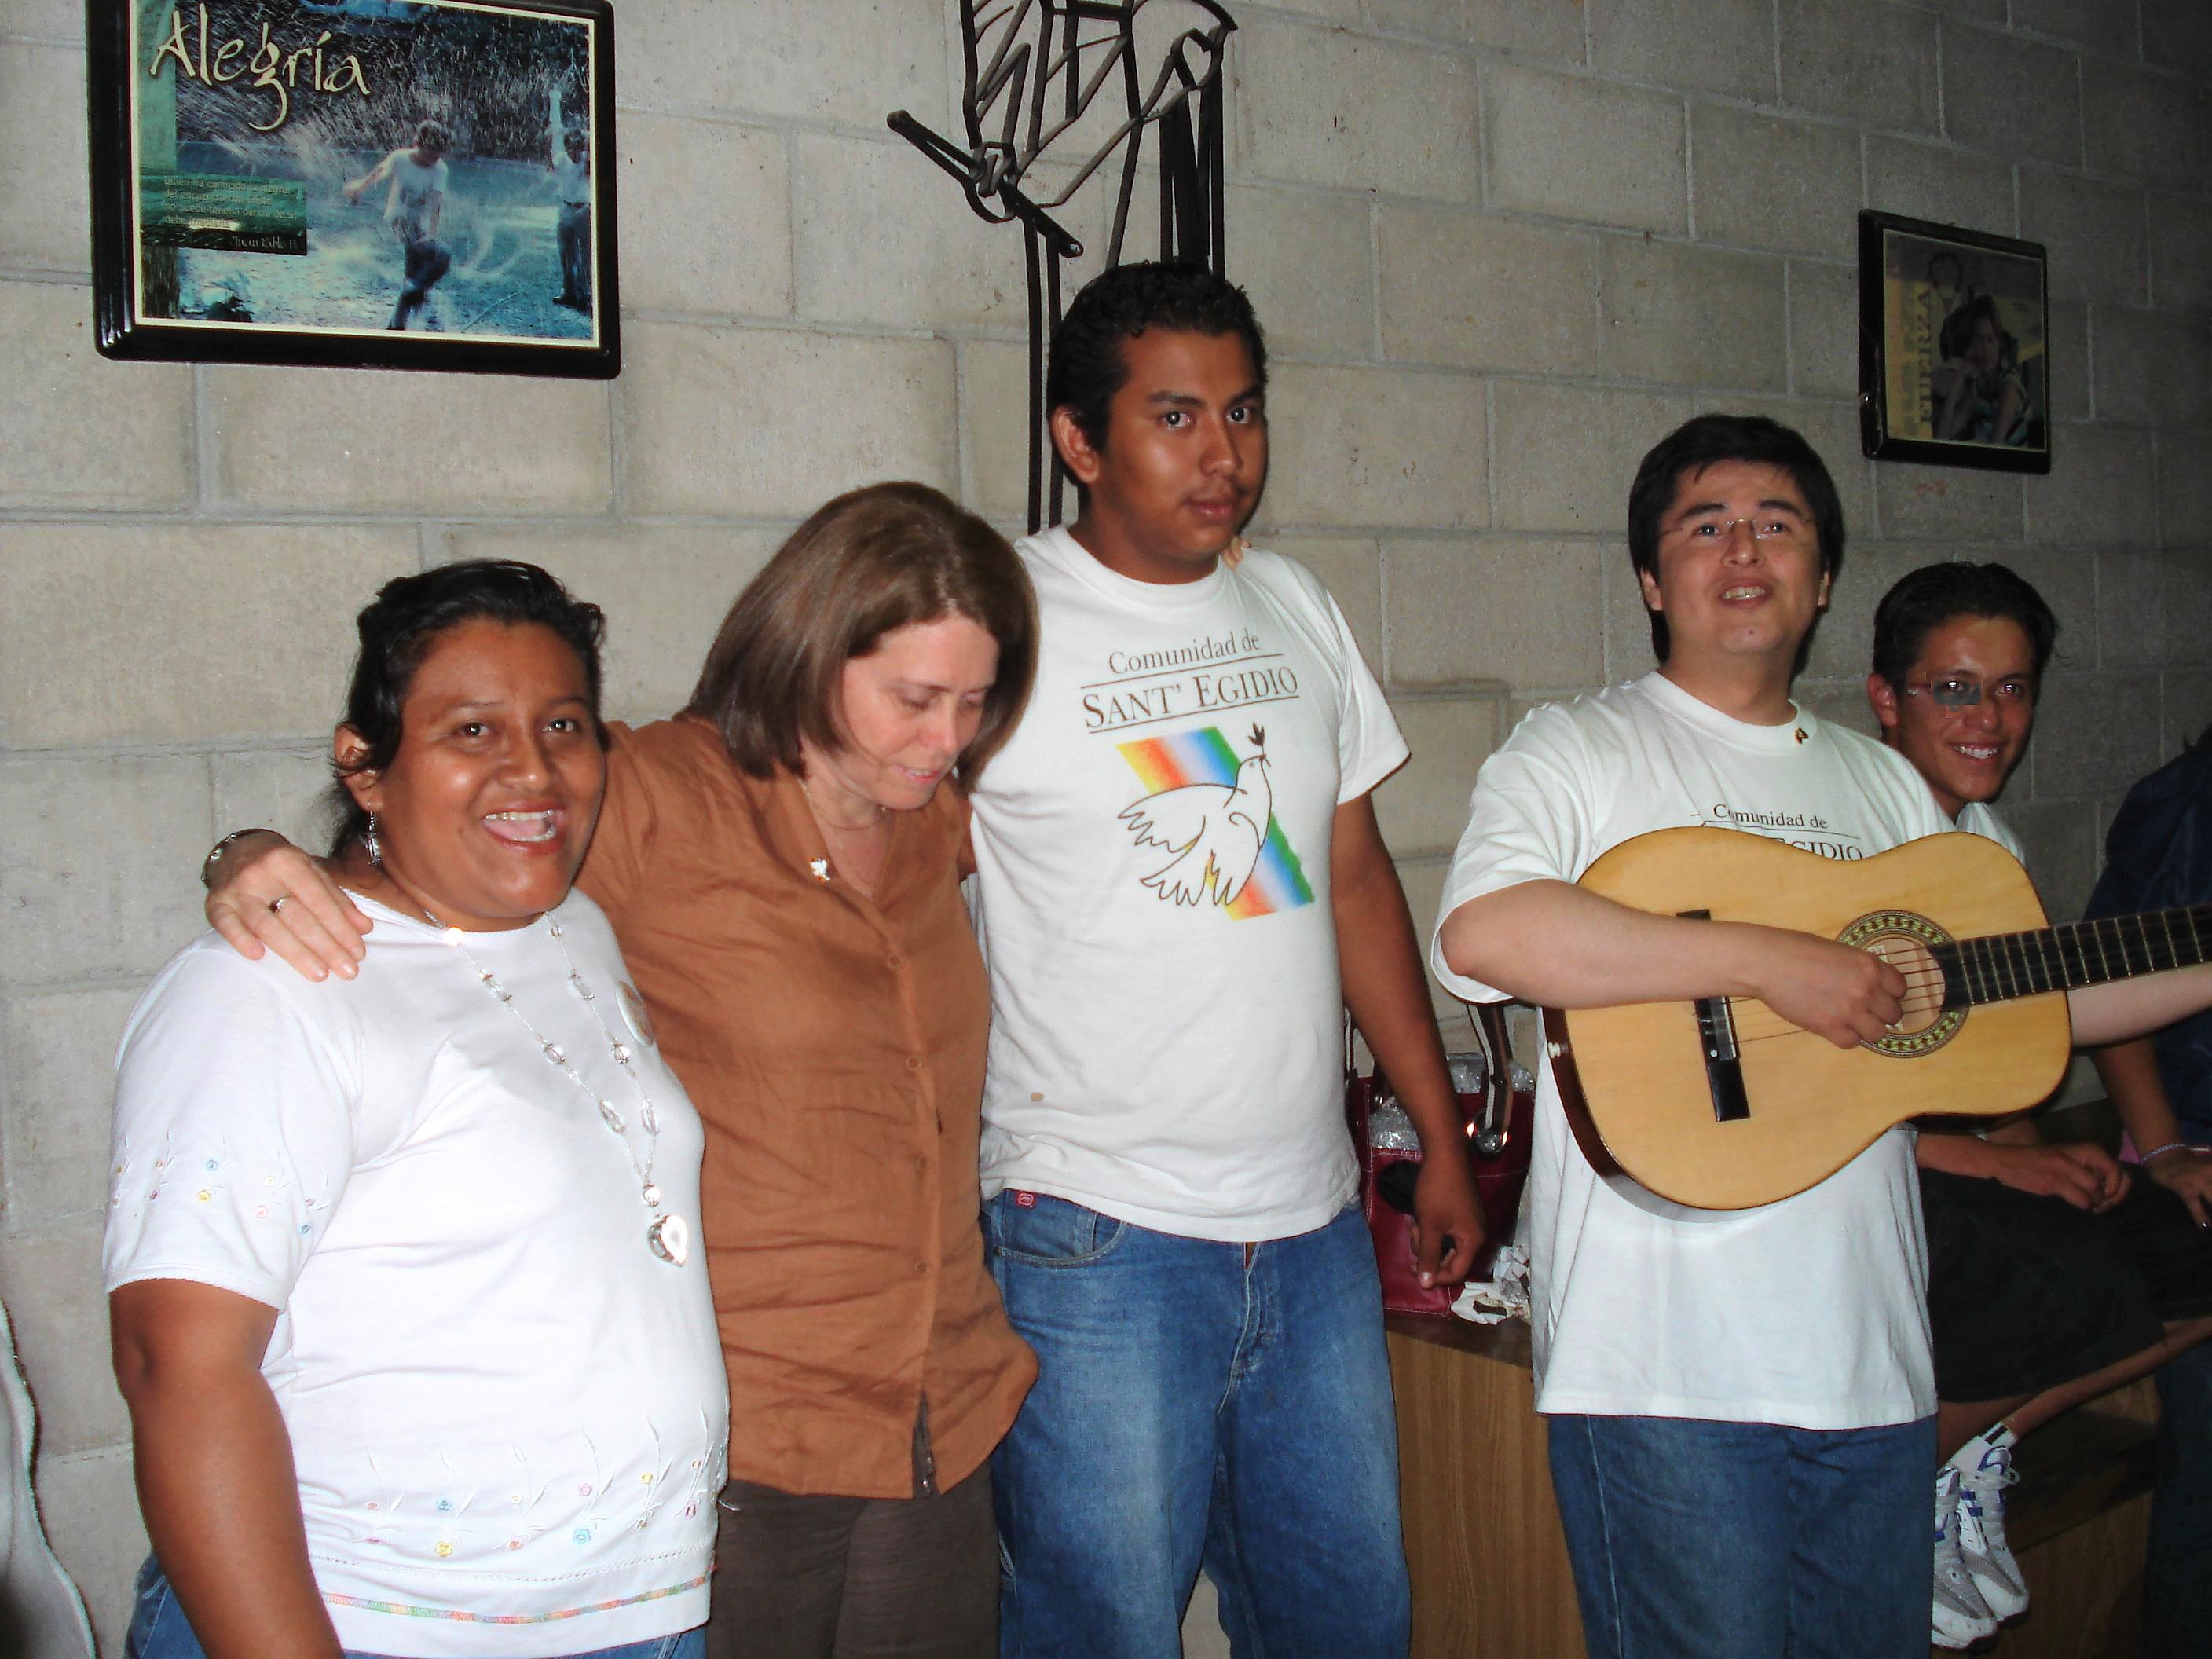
(1745,1012)
(1751,1028)
(1914,1001)
(1926,975)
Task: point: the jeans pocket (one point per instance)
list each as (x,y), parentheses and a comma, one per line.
(1045,1231)
(157,1629)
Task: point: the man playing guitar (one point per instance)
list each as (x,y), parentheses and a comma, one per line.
(1742,1403)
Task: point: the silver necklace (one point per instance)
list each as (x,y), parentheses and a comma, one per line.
(669,1237)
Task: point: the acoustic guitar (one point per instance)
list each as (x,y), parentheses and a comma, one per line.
(1721,1103)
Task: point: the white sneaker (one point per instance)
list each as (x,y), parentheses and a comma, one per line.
(1981,1535)
(1961,1618)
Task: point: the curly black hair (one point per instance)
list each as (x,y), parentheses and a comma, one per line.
(1086,368)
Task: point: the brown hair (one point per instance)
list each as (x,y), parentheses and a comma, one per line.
(870,562)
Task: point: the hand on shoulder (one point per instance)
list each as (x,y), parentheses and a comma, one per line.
(265,894)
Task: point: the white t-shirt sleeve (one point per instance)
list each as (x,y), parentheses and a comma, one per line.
(1370,747)
(233,1136)
(1977,818)
(1529,820)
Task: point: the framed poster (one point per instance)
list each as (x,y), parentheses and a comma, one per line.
(393,184)
(1954,346)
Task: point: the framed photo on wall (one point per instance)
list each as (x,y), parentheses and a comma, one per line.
(1955,345)
(391,184)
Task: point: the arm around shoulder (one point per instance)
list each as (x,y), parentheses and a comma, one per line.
(265,894)
(671,758)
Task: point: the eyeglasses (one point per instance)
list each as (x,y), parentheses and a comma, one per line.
(1965,692)
(1781,532)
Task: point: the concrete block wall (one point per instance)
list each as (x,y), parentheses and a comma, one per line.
(1501,245)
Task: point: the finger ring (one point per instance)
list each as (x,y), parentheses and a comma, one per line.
(277,903)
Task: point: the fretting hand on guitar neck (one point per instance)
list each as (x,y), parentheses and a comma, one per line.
(1726,1099)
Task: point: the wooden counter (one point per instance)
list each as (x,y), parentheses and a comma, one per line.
(1482,1535)
(1490,1573)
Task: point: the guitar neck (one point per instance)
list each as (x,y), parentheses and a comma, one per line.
(1999,967)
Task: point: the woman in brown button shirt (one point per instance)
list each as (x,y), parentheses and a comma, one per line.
(782,871)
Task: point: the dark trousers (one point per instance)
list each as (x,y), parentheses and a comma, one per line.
(824,1578)
(427,259)
(2178,1569)
(575,239)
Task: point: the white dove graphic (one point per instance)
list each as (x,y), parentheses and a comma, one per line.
(1215,830)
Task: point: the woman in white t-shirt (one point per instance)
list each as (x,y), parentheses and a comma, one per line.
(407,1305)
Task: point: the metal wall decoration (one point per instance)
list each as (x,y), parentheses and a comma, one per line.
(1044,72)
(1954,346)
(396,183)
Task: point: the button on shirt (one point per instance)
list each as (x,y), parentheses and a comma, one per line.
(834,1045)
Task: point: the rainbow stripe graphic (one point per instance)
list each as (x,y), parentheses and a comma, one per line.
(1205,757)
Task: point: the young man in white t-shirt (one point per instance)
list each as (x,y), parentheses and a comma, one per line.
(2054,1275)
(1180,887)
(1741,1403)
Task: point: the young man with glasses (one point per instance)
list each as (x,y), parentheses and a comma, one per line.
(1742,1404)
(2054,1274)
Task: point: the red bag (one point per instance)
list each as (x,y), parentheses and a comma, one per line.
(1498,1107)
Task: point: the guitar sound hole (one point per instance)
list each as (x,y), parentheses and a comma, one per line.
(1902,939)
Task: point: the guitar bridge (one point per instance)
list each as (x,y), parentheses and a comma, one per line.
(1723,1062)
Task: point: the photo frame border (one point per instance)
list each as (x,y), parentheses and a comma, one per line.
(1875,438)
(118,333)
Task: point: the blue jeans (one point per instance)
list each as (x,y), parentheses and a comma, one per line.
(2177,1567)
(1197,1404)
(158,1631)
(1746,1540)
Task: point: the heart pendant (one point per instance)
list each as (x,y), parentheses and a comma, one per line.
(670,1239)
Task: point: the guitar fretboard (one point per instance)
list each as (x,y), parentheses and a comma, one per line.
(2002,966)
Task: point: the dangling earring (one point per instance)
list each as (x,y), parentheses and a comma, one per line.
(375,846)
